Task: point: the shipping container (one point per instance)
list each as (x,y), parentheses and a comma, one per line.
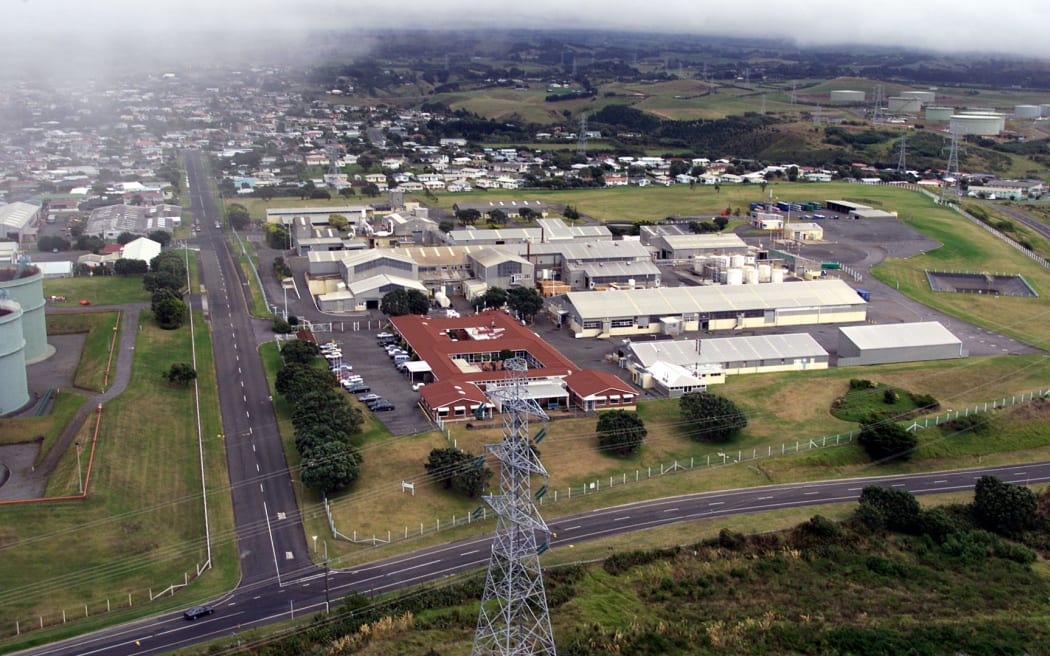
(865,294)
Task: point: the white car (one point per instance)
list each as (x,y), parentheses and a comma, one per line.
(417,386)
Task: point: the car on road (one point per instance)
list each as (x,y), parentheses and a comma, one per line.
(381,406)
(197,612)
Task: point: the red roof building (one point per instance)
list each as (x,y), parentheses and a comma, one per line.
(465,355)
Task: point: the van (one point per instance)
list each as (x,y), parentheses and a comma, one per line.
(402,357)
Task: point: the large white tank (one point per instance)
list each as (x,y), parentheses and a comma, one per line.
(721,261)
(903,105)
(1044,110)
(847,96)
(925,97)
(736,261)
(750,275)
(777,275)
(939,113)
(987,125)
(764,272)
(699,264)
(28,291)
(1026,111)
(14,392)
(735,277)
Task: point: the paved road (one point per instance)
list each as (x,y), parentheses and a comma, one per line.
(253,606)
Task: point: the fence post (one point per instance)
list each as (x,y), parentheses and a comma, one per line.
(63,615)
(85,610)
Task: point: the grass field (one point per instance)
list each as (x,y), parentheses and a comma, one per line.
(45,429)
(141,526)
(100,290)
(101,328)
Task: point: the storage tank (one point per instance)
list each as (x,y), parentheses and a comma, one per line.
(939,113)
(720,261)
(925,97)
(25,285)
(903,105)
(1044,110)
(1026,111)
(847,96)
(14,393)
(699,264)
(736,261)
(987,125)
(750,275)
(764,272)
(777,275)
(722,276)
(735,277)
(631,283)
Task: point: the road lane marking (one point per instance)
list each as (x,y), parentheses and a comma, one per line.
(671,510)
(853,489)
(619,519)
(764,498)
(940,482)
(897,484)
(467,553)
(809,494)
(717,503)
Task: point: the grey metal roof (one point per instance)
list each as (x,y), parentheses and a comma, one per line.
(899,335)
(707,241)
(593,250)
(721,298)
(18,215)
(604,269)
(727,350)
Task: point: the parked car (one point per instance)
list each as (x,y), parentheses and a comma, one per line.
(417,386)
(365,398)
(384,335)
(357,388)
(382,406)
(198,611)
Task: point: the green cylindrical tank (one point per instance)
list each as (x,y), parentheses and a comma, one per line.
(26,286)
(14,392)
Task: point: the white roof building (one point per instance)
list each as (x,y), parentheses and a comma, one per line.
(143,248)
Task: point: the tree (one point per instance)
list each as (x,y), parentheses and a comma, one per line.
(169,261)
(371,190)
(338,221)
(162,280)
(320,194)
(897,510)
(571,213)
(325,406)
(1003,508)
(301,351)
(295,380)
(494,297)
(526,301)
(887,441)
(277,236)
(90,243)
(125,237)
(446,226)
(347,192)
(281,326)
(498,216)
(237,215)
(620,431)
(162,237)
(458,469)
(329,467)
(712,418)
(181,373)
(404,301)
(124,267)
(720,222)
(52,243)
(169,313)
(469,216)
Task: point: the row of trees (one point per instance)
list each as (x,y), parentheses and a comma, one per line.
(458,470)
(94,244)
(165,282)
(324,420)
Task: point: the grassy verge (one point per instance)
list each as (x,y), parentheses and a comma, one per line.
(98,290)
(101,327)
(141,527)
(44,429)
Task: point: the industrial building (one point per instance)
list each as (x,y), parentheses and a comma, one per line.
(674,310)
(546,231)
(356,215)
(365,294)
(14,393)
(857,211)
(459,358)
(686,246)
(499,268)
(981,124)
(676,367)
(847,96)
(898,342)
(110,221)
(24,284)
(19,221)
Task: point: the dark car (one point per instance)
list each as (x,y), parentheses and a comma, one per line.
(382,406)
(198,611)
(359,388)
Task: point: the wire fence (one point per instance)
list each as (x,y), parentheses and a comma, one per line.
(716,459)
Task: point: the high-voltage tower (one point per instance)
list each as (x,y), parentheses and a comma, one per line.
(514,618)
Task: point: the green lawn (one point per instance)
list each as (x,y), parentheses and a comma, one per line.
(103,331)
(45,429)
(99,290)
(141,526)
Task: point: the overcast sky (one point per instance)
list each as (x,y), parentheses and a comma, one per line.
(1018,27)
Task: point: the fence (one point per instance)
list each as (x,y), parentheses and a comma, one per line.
(717,459)
(97,607)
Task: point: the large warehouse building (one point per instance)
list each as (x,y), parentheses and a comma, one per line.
(673,310)
(898,342)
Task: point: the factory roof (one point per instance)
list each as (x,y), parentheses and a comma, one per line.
(899,335)
(18,215)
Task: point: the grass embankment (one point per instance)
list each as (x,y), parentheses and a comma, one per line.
(102,332)
(246,259)
(99,290)
(142,525)
(45,429)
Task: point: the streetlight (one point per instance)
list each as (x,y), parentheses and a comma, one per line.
(315,544)
(80,478)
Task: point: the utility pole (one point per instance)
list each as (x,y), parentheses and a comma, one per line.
(80,477)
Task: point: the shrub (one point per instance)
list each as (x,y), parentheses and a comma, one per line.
(860,384)
(887,441)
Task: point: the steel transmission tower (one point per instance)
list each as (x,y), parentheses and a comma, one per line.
(952,172)
(581,138)
(902,165)
(514,618)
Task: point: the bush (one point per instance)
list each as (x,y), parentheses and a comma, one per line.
(1003,508)
(890,396)
(281,326)
(861,383)
(620,431)
(711,418)
(899,509)
(887,441)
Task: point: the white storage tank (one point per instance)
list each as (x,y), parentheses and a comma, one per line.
(736,261)
(777,275)
(925,97)
(699,265)
(14,392)
(939,113)
(988,125)
(750,275)
(735,277)
(764,272)
(720,261)
(847,96)
(903,105)
(1026,111)
(1044,110)
(25,285)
